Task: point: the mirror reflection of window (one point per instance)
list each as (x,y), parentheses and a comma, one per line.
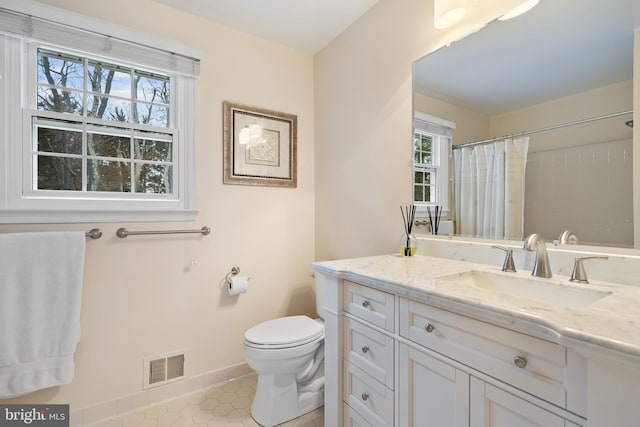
(431,148)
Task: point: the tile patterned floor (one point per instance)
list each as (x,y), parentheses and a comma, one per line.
(227,405)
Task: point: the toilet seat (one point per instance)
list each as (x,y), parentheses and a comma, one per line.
(284,332)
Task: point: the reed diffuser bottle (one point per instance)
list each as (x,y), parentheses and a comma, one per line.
(407,241)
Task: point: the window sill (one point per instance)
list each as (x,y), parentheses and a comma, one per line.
(422,211)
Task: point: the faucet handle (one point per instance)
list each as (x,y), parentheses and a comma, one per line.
(579,274)
(508,266)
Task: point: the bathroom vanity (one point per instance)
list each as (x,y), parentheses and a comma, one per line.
(429,341)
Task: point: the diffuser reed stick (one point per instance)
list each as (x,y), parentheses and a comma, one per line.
(408,217)
(434,221)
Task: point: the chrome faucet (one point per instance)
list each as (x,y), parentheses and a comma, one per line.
(541,268)
(578,274)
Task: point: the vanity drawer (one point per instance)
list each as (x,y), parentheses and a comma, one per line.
(353,419)
(368,397)
(369,350)
(372,305)
(528,363)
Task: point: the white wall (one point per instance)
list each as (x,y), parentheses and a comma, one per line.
(142,296)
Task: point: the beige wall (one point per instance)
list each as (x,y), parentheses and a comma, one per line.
(470,125)
(142,296)
(609,99)
(363,111)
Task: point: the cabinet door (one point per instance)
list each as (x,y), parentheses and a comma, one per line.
(431,393)
(493,407)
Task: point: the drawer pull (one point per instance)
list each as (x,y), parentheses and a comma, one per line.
(429,327)
(365,349)
(365,303)
(520,361)
(365,396)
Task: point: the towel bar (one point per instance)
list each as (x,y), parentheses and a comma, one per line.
(123,232)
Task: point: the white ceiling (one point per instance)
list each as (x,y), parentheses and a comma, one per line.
(307,25)
(559,48)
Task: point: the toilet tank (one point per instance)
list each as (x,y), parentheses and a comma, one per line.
(319,282)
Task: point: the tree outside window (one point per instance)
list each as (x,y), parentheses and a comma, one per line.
(101,127)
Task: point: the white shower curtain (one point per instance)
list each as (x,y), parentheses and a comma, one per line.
(489,189)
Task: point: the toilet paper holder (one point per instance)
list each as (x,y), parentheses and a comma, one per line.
(234,271)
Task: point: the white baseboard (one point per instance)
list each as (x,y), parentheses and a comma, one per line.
(145,398)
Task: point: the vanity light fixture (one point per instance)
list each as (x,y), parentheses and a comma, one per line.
(519,10)
(448,12)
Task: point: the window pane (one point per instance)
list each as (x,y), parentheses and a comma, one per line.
(427,177)
(153,178)
(105,175)
(109,79)
(78,154)
(426,158)
(59,173)
(59,100)
(418,177)
(426,143)
(60,70)
(418,193)
(148,149)
(59,141)
(417,141)
(153,115)
(104,107)
(427,193)
(152,88)
(108,145)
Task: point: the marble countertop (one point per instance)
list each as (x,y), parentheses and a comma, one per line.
(609,327)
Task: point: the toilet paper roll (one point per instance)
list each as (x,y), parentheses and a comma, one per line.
(237,285)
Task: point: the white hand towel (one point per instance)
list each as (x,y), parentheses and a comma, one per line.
(40,294)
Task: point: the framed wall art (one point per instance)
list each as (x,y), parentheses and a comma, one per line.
(260,146)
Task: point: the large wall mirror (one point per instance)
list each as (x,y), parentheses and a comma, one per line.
(562,74)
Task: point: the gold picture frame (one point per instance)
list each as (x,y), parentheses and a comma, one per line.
(260,146)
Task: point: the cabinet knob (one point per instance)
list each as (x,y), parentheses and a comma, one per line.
(365,303)
(365,349)
(520,361)
(365,396)
(429,327)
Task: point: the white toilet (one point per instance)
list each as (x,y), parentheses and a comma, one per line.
(288,355)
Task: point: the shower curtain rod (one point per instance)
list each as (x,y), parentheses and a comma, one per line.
(577,122)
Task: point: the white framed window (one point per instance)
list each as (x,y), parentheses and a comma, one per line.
(431,155)
(96,127)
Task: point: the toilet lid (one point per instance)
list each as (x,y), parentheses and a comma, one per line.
(284,332)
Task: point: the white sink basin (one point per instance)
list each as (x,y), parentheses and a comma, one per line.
(548,291)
